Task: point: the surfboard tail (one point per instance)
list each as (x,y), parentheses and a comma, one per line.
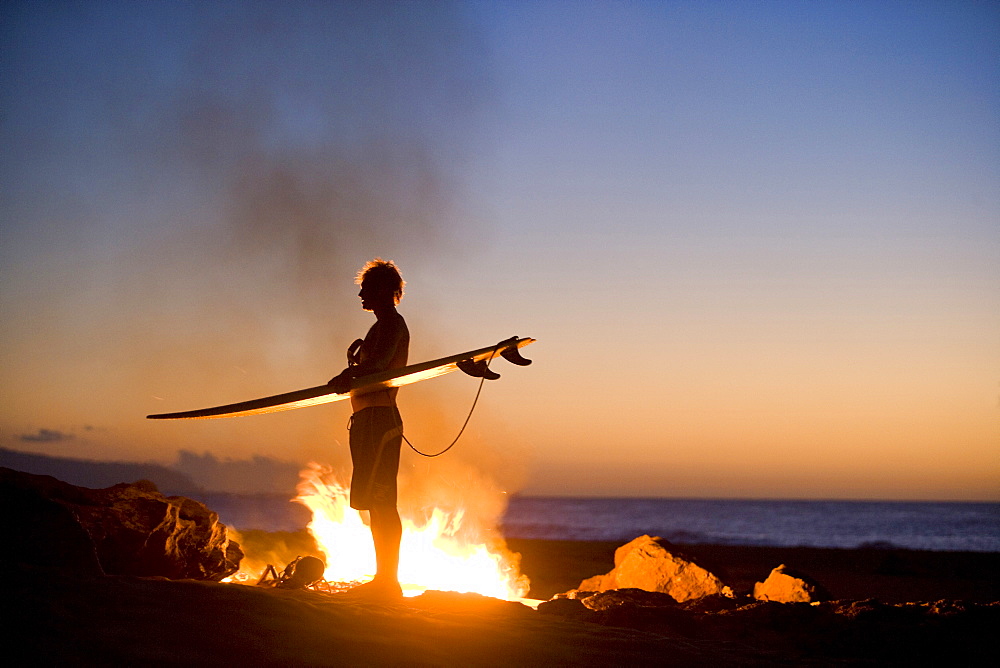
(513,355)
(509,349)
(478,369)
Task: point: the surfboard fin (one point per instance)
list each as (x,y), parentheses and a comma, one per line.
(513,355)
(477,369)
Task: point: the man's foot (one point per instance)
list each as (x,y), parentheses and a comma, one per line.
(375,590)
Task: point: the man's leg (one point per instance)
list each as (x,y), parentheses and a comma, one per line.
(387,531)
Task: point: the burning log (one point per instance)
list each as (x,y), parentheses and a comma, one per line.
(301,573)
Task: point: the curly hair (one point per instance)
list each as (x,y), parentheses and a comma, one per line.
(382,275)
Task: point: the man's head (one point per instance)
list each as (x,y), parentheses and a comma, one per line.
(380,282)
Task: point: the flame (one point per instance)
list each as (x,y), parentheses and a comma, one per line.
(437,551)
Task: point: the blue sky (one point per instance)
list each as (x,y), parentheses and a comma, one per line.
(759,243)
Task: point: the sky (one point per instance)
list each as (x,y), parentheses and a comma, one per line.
(758,243)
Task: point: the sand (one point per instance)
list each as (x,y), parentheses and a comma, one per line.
(129,621)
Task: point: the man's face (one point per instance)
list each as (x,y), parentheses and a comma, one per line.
(371,298)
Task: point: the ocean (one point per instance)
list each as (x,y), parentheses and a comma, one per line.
(972,527)
(918,525)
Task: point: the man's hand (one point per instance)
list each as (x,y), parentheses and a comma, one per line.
(354,352)
(341,383)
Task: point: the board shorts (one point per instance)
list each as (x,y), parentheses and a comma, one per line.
(376,436)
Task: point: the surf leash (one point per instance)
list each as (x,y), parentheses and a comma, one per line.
(482,379)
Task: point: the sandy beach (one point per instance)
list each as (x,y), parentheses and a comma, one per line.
(127,620)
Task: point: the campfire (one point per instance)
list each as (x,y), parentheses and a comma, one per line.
(439,550)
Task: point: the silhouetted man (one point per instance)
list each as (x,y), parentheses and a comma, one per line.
(376,429)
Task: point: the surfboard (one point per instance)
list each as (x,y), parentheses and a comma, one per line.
(474,362)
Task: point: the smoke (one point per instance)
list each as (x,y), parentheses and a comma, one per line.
(190,189)
(317,137)
(274,548)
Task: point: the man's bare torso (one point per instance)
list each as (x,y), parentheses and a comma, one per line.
(386,346)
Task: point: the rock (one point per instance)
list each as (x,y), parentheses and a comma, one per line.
(647,563)
(784,586)
(630,597)
(40,533)
(576,594)
(599,583)
(640,609)
(566,608)
(127,529)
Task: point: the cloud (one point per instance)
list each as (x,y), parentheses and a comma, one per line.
(47,436)
(244,476)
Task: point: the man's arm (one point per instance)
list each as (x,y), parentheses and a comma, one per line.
(378,354)
(342,381)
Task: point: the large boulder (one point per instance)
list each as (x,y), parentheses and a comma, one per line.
(127,529)
(650,563)
(785,586)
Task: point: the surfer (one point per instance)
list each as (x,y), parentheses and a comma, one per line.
(376,427)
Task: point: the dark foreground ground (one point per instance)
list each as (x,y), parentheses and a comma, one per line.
(53,620)
(889,575)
